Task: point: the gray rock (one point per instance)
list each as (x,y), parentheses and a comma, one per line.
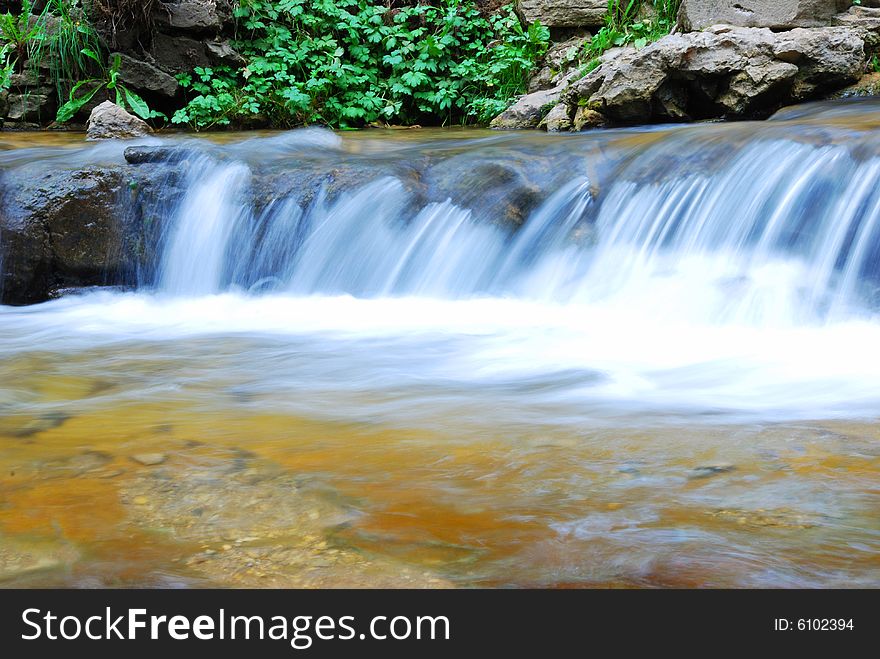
(865,20)
(528,111)
(108,121)
(191,15)
(722,72)
(224,53)
(143,76)
(564,13)
(775,14)
(560,58)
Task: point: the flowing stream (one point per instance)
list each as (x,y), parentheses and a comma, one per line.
(661,370)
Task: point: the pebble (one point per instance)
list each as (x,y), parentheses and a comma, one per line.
(712,470)
(149,459)
(140,501)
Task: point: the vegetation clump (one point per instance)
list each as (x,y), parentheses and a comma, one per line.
(347,63)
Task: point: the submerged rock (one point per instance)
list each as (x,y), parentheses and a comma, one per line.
(108,121)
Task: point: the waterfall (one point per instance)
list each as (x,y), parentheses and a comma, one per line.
(196,257)
(776,232)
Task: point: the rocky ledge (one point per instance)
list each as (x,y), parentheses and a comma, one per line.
(723,71)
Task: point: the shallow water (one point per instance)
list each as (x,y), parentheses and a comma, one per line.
(415,397)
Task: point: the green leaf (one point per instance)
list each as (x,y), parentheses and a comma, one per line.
(67,111)
(137,104)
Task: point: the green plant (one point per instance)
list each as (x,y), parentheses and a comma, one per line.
(110,82)
(631,22)
(347,63)
(67,36)
(19,34)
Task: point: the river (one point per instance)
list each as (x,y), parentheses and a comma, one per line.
(667,376)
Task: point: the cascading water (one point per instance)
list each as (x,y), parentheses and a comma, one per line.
(570,331)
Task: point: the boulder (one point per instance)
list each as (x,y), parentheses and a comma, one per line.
(58,229)
(564,13)
(143,76)
(724,72)
(774,14)
(108,121)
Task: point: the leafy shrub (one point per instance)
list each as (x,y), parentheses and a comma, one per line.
(348,63)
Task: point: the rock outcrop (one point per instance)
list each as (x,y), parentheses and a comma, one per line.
(723,72)
(108,121)
(774,14)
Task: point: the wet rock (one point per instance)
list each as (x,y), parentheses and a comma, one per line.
(143,76)
(60,229)
(149,459)
(774,14)
(108,121)
(722,72)
(564,13)
(707,471)
(138,155)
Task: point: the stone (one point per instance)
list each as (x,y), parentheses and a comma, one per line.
(560,57)
(528,110)
(774,14)
(585,118)
(143,76)
(191,16)
(733,73)
(223,53)
(865,20)
(149,459)
(707,471)
(108,121)
(139,155)
(557,120)
(31,106)
(564,13)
